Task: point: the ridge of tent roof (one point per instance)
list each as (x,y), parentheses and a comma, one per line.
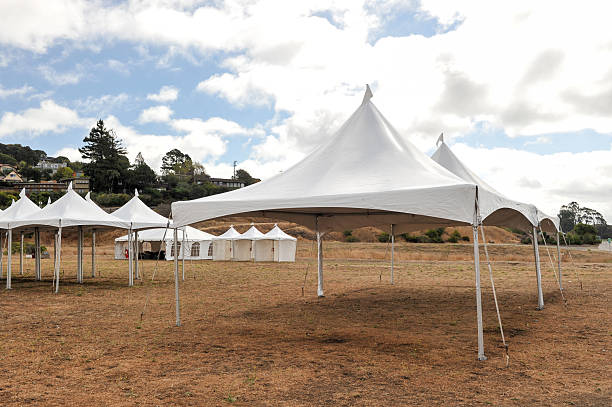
(140,215)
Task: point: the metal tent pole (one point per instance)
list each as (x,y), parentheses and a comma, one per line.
(319,260)
(58,258)
(80,256)
(21,255)
(559,261)
(183,254)
(536,253)
(481,355)
(93,253)
(137,255)
(37,254)
(176,279)
(9,256)
(392,251)
(130,259)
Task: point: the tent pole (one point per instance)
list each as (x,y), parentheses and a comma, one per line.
(54,252)
(58,258)
(9,256)
(93,253)
(1,254)
(80,256)
(137,250)
(319,260)
(559,261)
(536,253)
(130,259)
(21,255)
(183,254)
(176,279)
(37,253)
(481,355)
(392,251)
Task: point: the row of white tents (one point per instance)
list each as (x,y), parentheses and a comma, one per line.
(194,244)
(366,174)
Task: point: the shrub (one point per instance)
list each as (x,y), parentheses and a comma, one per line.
(465,238)
(347,233)
(351,239)
(454,237)
(383,237)
(435,235)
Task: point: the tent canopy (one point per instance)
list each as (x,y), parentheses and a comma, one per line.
(366,174)
(139,215)
(229,234)
(495,208)
(71,210)
(252,234)
(23,208)
(157,235)
(277,234)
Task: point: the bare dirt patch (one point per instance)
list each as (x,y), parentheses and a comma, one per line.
(249,337)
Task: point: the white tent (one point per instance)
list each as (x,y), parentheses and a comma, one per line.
(223,245)
(24,207)
(275,245)
(139,216)
(519,215)
(71,210)
(244,244)
(198,244)
(364,175)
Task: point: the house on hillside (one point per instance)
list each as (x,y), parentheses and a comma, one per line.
(6,168)
(11,177)
(49,164)
(79,184)
(227,182)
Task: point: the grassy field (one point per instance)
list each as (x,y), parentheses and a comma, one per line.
(256,334)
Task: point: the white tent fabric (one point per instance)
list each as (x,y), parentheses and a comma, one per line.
(139,215)
(275,245)
(244,244)
(495,208)
(223,245)
(197,243)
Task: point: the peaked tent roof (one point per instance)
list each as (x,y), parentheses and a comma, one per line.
(276,233)
(252,234)
(157,235)
(229,234)
(495,208)
(71,210)
(18,210)
(139,215)
(366,174)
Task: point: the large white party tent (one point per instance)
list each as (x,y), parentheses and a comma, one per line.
(24,207)
(275,245)
(197,243)
(364,175)
(223,245)
(71,210)
(516,214)
(243,244)
(140,217)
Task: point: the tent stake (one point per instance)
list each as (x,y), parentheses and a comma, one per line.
(481,355)
(176,279)
(9,256)
(536,253)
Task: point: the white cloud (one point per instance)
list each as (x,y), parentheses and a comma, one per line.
(166,94)
(49,117)
(61,78)
(155,114)
(71,153)
(4,93)
(214,125)
(101,105)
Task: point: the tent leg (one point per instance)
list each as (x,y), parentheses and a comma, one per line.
(176,279)
(183,254)
(320,263)
(58,259)
(137,254)
(536,253)
(481,355)
(93,253)
(37,254)
(80,257)
(21,255)
(130,260)
(9,256)
(559,261)
(392,251)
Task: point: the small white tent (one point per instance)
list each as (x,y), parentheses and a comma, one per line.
(223,244)
(198,244)
(275,245)
(243,244)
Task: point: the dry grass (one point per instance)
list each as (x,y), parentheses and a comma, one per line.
(249,337)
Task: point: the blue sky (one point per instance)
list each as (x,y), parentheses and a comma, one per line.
(264,82)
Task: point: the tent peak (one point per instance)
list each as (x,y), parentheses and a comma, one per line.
(440,139)
(87,196)
(368,95)
(136,192)
(22,193)
(69,186)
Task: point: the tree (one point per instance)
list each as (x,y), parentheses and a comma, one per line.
(7,159)
(107,164)
(176,162)
(573,214)
(64,172)
(243,176)
(141,176)
(30,173)
(199,173)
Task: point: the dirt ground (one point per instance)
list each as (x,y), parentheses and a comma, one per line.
(256,334)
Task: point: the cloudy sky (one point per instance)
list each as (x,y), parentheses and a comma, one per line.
(522,90)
